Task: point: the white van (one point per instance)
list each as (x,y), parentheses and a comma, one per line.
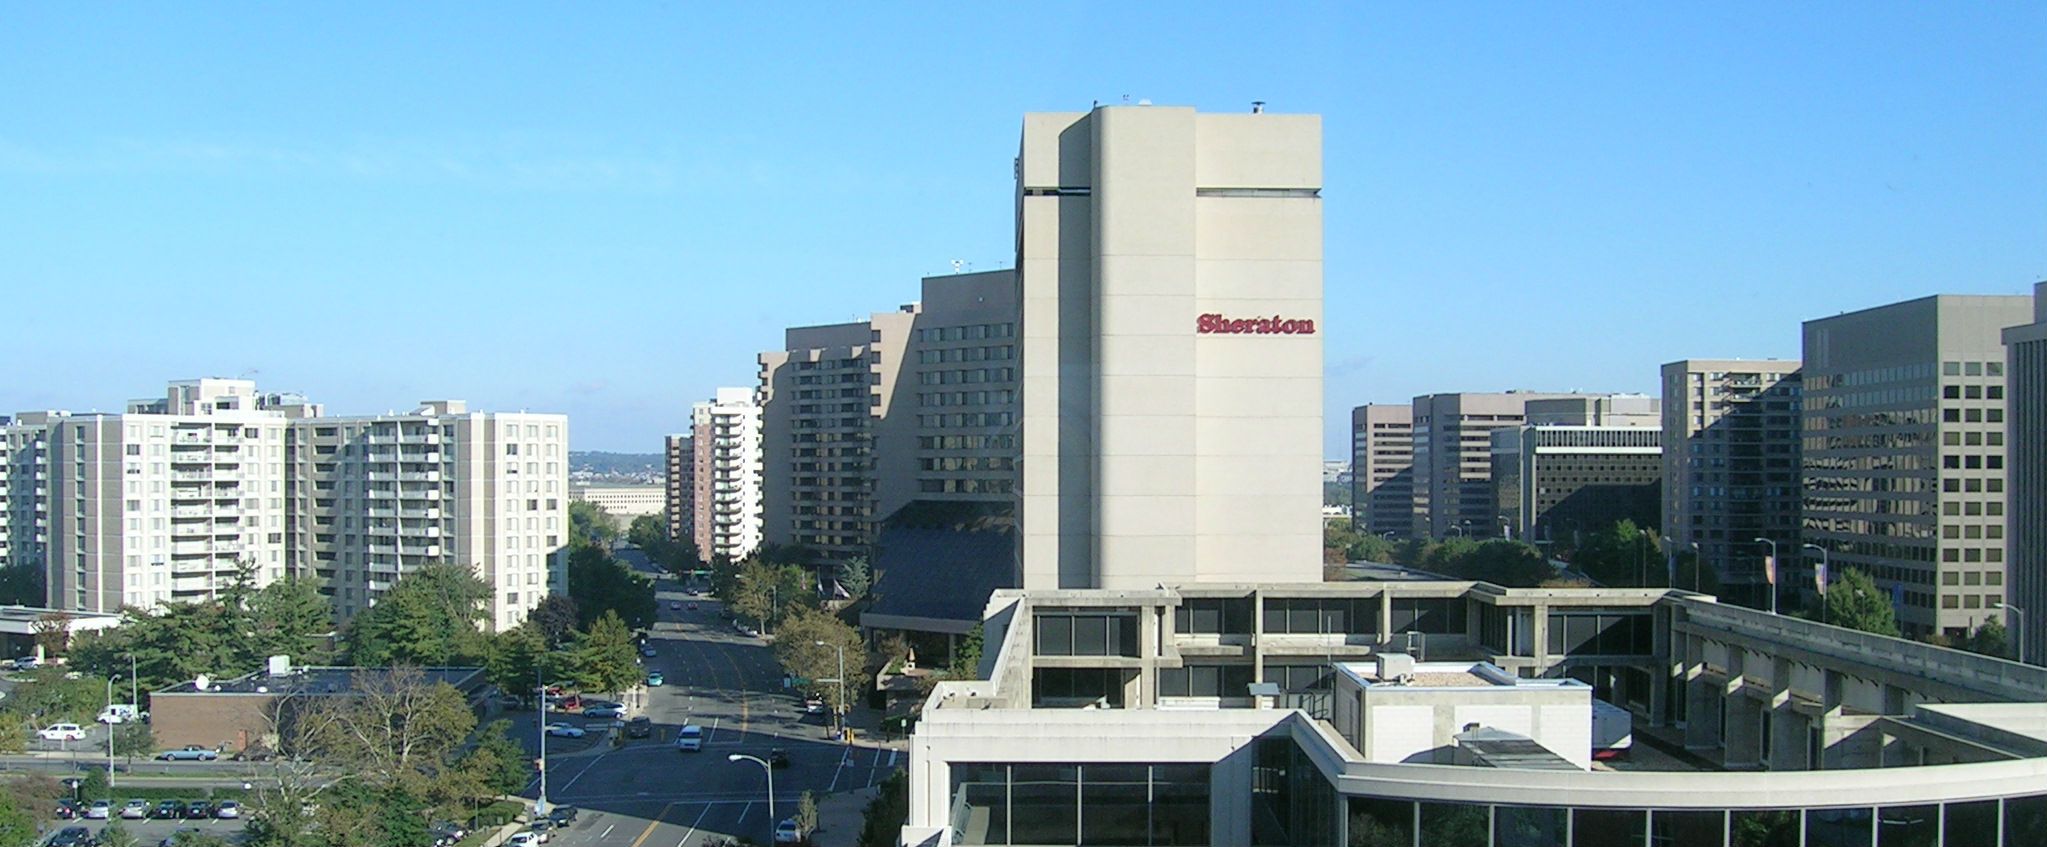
(118,713)
(690,739)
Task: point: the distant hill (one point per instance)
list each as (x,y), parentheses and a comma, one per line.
(600,463)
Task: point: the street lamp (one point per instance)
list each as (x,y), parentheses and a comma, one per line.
(1821,582)
(2018,631)
(1698,564)
(1770,576)
(540,723)
(838,709)
(770,770)
(110,728)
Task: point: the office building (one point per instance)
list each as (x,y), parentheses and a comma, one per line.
(1731,466)
(1904,453)
(623,502)
(1558,482)
(1170,265)
(166,501)
(679,505)
(726,432)
(1453,460)
(2026,540)
(1382,469)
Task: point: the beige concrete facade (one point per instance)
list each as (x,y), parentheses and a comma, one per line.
(1904,452)
(1453,470)
(1731,466)
(624,502)
(2026,541)
(1170,265)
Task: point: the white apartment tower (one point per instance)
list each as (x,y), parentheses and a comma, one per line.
(1170,267)
(165,502)
(375,497)
(726,435)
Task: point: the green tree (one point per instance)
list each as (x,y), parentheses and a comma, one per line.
(856,577)
(500,761)
(809,646)
(13,732)
(882,824)
(432,617)
(590,525)
(1989,639)
(23,585)
(176,643)
(647,532)
(47,694)
(1853,601)
(1621,554)
(116,834)
(514,661)
(133,738)
(605,657)
(290,617)
(554,619)
(806,814)
(600,585)
(17,821)
(966,658)
(1343,543)
(94,786)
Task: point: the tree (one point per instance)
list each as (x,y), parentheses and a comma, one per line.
(855,577)
(1343,543)
(46,695)
(52,633)
(768,593)
(132,738)
(882,824)
(799,651)
(514,661)
(554,620)
(175,643)
(17,821)
(599,585)
(432,617)
(395,740)
(116,834)
(605,657)
(1621,554)
(966,658)
(806,814)
(289,617)
(22,584)
(500,761)
(1853,601)
(1989,639)
(647,532)
(590,525)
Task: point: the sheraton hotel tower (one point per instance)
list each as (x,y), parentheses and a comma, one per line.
(1174,671)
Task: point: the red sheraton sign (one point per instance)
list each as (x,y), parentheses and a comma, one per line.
(1275,325)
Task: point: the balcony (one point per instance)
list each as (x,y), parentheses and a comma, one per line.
(429,514)
(379,476)
(419,476)
(415,549)
(188,436)
(420,438)
(381,494)
(382,512)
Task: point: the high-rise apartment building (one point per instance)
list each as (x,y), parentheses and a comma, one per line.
(25,520)
(1453,460)
(680,483)
(1904,452)
(1731,466)
(2025,543)
(376,497)
(914,405)
(165,502)
(1170,265)
(1579,465)
(726,435)
(1382,468)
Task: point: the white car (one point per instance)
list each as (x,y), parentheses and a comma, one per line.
(787,832)
(135,810)
(228,810)
(62,732)
(563,730)
(523,839)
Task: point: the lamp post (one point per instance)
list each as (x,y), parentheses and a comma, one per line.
(1459,529)
(1698,564)
(2018,631)
(540,697)
(770,770)
(1768,577)
(1821,583)
(838,709)
(110,728)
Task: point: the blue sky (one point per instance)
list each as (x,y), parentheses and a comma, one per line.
(608,211)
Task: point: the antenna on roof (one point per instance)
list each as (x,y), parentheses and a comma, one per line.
(1257,107)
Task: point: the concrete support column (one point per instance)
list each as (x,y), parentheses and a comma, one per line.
(1742,737)
(1229,787)
(1539,622)
(1789,732)
(1702,714)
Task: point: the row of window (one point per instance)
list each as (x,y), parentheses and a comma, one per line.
(966,486)
(968,376)
(965,398)
(956,419)
(1406,823)
(966,442)
(1091,804)
(966,354)
(968,332)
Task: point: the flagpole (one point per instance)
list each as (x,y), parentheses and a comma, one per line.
(1820,579)
(1770,572)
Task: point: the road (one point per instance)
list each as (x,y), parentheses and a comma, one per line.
(647,793)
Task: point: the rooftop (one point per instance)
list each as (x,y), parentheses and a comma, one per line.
(314,680)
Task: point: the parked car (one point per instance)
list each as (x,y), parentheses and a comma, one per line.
(647,652)
(188,753)
(523,839)
(692,607)
(62,732)
(228,810)
(563,730)
(73,836)
(675,607)
(198,810)
(639,727)
(446,833)
(254,753)
(135,810)
(778,757)
(99,810)
(562,815)
(787,832)
(542,829)
(604,712)
(68,809)
(118,713)
(655,679)
(27,663)
(813,705)
(167,810)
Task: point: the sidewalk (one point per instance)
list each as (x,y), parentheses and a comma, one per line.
(840,817)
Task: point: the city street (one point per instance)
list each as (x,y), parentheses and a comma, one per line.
(646,792)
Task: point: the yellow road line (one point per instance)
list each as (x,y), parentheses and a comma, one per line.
(653,823)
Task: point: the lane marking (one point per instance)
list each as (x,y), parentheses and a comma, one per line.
(653,823)
(586,769)
(693,826)
(742,813)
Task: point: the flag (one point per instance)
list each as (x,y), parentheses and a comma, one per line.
(1670,567)
(1770,569)
(1819,577)
(1898,595)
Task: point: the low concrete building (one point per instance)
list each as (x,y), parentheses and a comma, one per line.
(234,714)
(623,502)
